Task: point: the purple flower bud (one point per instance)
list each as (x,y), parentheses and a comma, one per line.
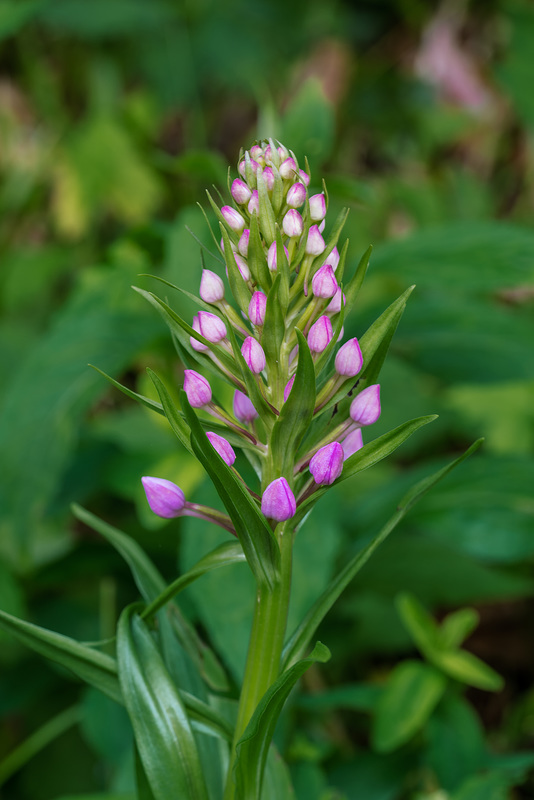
(256,152)
(242,167)
(333,259)
(233,218)
(195,344)
(292,223)
(296,195)
(320,335)
(268,154)
(224,448)
(268,177)
(242,245)
(324,282)
(334,306)
(211,287)
(288,387)
(365,408)
(242,267)
(240,192)
(283,152)
(252,352)
(315,244)
(305,178)
(257,308)
(165,498)
(244,411)
(272,256)
(211,327)
(278,501)
(349,359)
(352,443)
(254,203)
(288,168)
(197,389)
(317,207)
(327,464)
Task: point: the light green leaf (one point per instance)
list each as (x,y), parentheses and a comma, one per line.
(467,668)
(161,726)
(412,692)
(253,747)
(457,626)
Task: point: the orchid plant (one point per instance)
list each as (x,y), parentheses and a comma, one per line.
(304,402)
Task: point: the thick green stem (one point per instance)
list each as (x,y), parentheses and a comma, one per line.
(265,647)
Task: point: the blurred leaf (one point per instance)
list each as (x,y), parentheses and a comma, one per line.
(412,692)
(458,625)
(14,15)
(483,787)
(161,727)
(105,726)
(108,18)
(467,668)
(514,69)
(308,124)
(370,775)
(277,780)
(455,738)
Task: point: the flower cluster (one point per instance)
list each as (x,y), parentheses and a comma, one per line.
(285,276)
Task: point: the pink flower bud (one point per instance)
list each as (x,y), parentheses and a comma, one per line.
(242,245)
(268,177)
(233,218)
(288,168)
(349,359)
(278,501)
(242,167)
(352,443)
(257,308)
(195,344)
(256,152)
(240,192)
(324,282)
(320,335)
(292,223)
(268,154)
(272,256)
(211,327)
(224,448)
(305,178)
(197,389)
(288,387)
(333,259)
(244,411)
(165,498)
(327,464)
(334,306)
(365,408)
(315,244)
(296,195)
(242,267)
(254,203)
(283,152)
(253,354)
(317,207)
(211,287)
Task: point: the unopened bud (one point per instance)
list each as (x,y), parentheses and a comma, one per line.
(365,408)
(268,177)
(324,282)
(327,464)
(317,207)
(254,203)
(315,243)
(242,167)
(242,267)
(211,327)
(211,287)
(292,224)
(272,256)
(333,259)
(288,168)
(288,387)
(233,218)
(195,344)
(257,308)
(352,443)
(165,498)
(334,306)
(240,191)
(197,389)
(320,335)
(304,177)
(296,195)
(243,409)
(256,152)
(253,354)
(278,501)
(222,446)
(349,359)
(242,245)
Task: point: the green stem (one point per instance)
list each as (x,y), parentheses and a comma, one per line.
(265,647)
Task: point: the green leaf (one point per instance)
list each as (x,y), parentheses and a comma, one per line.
(420,625)
(161,726)
(266,214)
(256,537)
(90,665)
(145,401)
(467,668)
(412,692)
(253,747)
(457,626)
(304,632)
(296,413)
(175,419)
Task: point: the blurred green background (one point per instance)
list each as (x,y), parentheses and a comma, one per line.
(115,116)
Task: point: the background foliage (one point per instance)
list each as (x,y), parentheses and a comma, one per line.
(114,117)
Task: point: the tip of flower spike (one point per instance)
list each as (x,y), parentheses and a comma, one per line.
(278,501)
(165,498)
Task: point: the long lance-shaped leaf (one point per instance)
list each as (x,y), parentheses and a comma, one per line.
(175,418)
(256,537)
(253,747)
(162,729)
(153,405)
(93,667)
(226,554)
(369,455)
(296,413)
(301,637)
